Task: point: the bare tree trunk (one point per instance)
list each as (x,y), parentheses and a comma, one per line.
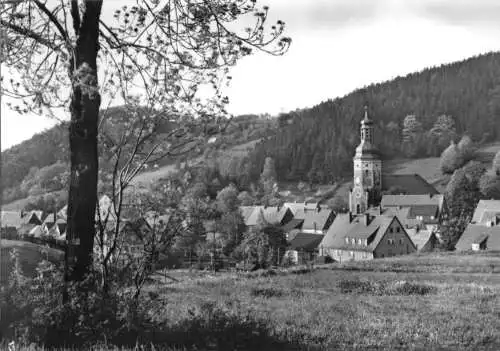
(85,102)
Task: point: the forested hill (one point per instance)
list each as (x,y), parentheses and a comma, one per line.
(318,143)
(40,165)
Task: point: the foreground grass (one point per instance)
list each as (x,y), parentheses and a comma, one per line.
(441,301)
(451,308)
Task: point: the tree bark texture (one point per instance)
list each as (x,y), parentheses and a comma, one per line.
(85,103)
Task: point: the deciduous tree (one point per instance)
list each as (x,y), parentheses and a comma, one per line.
(66,54)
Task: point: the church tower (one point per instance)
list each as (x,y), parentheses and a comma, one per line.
(367,170)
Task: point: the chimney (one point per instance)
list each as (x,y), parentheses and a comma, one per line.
(366,218)
(380,210)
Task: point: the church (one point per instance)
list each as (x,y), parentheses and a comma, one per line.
(388,215)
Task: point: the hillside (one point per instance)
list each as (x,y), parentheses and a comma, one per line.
(39,166)
(317,143)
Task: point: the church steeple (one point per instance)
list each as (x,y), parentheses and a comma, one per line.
(366,128)
(367,169)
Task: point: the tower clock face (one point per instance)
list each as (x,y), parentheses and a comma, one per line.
(358,193)
(357,180)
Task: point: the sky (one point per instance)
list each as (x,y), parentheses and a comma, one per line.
(337,47)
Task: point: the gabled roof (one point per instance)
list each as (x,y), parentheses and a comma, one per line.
(486,210)
(301,206)
(356,229)
(409,183)
(37,231)
(246,212)
(271,214)
(420,238)
(293,224)
(11,219)
(475,234)
(403,215)
(318,219)
(304,241)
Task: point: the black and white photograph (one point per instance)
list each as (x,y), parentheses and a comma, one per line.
(190,175)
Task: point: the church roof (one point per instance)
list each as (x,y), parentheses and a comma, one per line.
(366,120)
(408,183)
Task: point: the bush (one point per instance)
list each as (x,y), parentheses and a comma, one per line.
(266,292)
(384,288)
(34,311)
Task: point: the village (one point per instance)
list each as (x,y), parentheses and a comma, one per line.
(376,224)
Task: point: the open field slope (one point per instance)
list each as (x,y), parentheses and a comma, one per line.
(29,254)
(423,302)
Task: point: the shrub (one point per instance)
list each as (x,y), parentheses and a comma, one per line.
(266,292)
(385,288)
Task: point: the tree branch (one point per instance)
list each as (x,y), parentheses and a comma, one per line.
(36,37)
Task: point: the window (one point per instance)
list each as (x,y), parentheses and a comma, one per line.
(390,230)
(353,241)
(432,217)
(398,229)
(352,253)
(347,240)
(359,241)
(401,241)
(390,241)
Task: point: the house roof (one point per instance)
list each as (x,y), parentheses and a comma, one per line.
(485,211)
(341,228)
(271,214)
(246,212)
(293,224)
(318,219)
(420,238)
(476,233)
(412,200)
(11,219)
(409,183)
(305,241)
(301,206)
(424,211)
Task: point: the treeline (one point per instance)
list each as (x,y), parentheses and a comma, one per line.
(317,144)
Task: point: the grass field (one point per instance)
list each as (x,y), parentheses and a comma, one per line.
(30,255)
(448,302)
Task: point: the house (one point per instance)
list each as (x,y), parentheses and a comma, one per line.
(303,247)
(299,208)
(478,237)
(423,210)
(483,232)
(487,212)
(277,215)
(317,221)
(365,237)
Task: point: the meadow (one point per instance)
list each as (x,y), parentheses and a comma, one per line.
(437,301)
(441,301)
